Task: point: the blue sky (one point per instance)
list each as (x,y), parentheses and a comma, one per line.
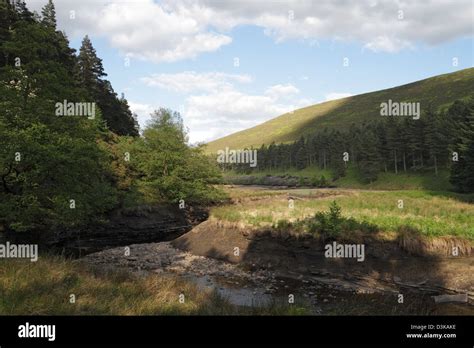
(291,54)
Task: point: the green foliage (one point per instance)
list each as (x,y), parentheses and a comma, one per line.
(49,15)
(282,225)
(59,172)
(168,168)
(301,181)
(331,224)
(389,145)
(319,182)
(323,182)
(462,171)
(90,73)
(369,158)
(46,162)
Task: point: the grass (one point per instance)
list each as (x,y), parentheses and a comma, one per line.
(343,112)
(431,213)
(44,288)
(422,180)
(305,172)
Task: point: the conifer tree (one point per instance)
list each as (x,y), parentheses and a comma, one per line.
(369,157)
(49,15)
(116,112)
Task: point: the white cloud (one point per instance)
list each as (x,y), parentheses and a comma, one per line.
(386,44)
(142,111)
(278,91)
(189,81)
(141,29)
(335,95)
(380,25)
(233,103)
(214,105)
(181,29)
(224,112)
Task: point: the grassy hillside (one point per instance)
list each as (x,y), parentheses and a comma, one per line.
(439,91)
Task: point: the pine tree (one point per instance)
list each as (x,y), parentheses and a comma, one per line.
(301,154)
(60,156)
(383,149)
(467,169)
(462,115)
(116,112)
(324,148)
(336,152)
(355,143)
(436,139)
(22,10)
(90,67)
(8,17)
(49,15)
(369,157)
(393,141)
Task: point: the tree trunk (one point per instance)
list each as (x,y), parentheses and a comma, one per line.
(404,163)
(395,158)
(436,165)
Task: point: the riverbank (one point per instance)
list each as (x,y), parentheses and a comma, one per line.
(239,261)
(55,285)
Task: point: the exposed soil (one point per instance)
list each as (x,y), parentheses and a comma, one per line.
(269,270)
(143,224)
(385,267)
(254,267)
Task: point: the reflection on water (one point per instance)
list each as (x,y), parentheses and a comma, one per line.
(239,296)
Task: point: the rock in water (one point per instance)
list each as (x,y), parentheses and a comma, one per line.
(462,298)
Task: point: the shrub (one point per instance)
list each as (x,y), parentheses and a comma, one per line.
(331,224)
(323,182)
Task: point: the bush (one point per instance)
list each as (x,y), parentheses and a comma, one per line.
(301,181)
(323,182)
(319,182)
(331,224)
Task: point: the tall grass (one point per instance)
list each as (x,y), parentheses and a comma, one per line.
(430,213)
(45,287)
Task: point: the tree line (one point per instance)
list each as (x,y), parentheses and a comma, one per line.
(439,139)
(65,172)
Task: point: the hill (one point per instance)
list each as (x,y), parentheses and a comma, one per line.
(437,92)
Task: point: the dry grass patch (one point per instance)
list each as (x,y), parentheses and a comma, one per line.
(45,287)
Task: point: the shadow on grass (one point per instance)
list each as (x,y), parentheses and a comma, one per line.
(410,264)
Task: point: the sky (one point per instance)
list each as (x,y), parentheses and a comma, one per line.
(230,65)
